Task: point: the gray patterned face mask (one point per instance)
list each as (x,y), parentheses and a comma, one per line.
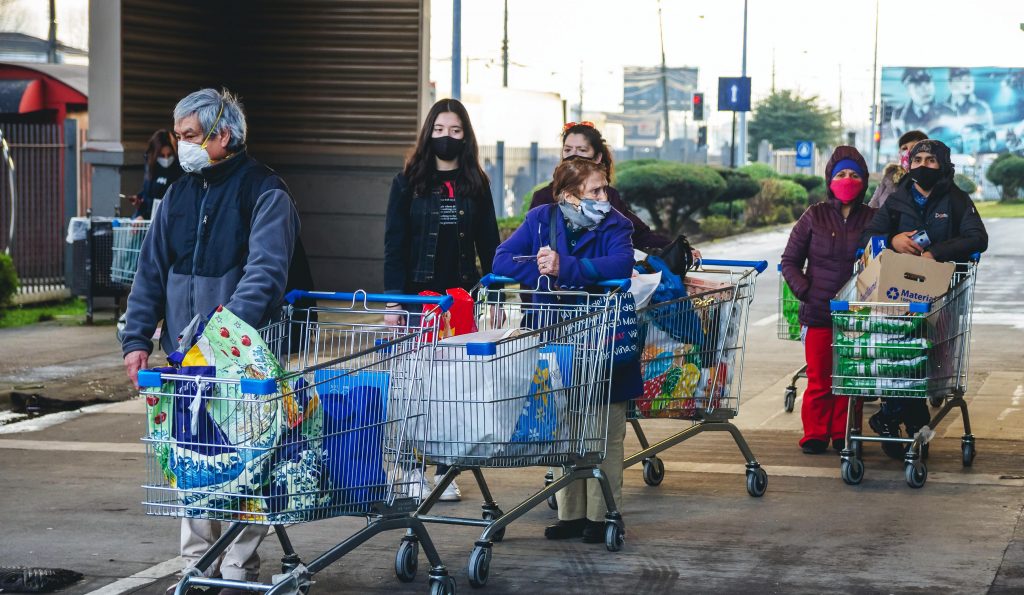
(589,215)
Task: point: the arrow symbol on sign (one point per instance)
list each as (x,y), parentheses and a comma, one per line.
(735,92)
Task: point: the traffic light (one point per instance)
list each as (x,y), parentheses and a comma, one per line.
(702,136)
(698,106)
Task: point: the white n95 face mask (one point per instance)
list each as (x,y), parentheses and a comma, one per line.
(192,157)
(165,162)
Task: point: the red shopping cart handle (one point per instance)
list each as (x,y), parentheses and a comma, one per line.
(492,279)
(759,265)
(444,301)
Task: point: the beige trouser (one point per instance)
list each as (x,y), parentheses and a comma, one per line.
(240,562)
(585,498)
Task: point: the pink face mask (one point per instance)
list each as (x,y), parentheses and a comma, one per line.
(846,189)
(905,160)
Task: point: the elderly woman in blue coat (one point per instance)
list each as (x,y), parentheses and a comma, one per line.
(591,244)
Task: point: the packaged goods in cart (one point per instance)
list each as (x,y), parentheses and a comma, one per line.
(881,346)
(886,387)
(863,320)
(895,277)
(891,368)
(791,312)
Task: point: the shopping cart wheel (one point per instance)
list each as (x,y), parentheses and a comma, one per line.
(916,474)
(552,502)
(936,401)
(490,514)
(479,565)
(654,471)
(407,560)
(790,400)
(852,471)
(442,585)
(614,536)
(967,448)
(757,481)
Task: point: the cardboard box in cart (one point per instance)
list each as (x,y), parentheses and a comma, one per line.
(895,277)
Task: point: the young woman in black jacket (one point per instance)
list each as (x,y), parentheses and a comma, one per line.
(440,217)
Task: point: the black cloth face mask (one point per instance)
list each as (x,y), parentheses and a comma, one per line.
(925,177)
(447,148)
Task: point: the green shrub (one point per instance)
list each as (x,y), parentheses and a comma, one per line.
(717,226)
(8,280)
(507,225)
(737,184)
(759,171)
(779,201)
(1007,171)
(722,208)
(807,181)
(528,197)
(964,183)
(670,192)
(628,165)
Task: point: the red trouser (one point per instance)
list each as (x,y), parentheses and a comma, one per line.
(823,414)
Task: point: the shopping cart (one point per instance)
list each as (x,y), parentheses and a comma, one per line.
(331,437)
(551,359)
(908,350)
(128,235)
(693,363)
(789,330)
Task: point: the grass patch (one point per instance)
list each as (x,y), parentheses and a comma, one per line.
(16,316)
(993,208)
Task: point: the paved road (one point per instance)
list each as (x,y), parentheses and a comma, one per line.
(72,498)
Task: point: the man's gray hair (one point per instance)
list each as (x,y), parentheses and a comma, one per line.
(206,104)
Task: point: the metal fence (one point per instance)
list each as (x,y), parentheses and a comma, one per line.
(45,165)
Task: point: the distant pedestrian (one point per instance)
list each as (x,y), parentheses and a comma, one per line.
(825,241)
(440,219)
(521,185)
(895,171)
(161,170)
(224,235)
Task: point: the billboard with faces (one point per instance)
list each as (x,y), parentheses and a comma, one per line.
(973,110)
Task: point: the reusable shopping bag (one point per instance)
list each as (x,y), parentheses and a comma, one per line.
(475,394)
(458,320)
(539,420)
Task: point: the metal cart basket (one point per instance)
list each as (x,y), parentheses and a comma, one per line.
(789,330)
(332,436)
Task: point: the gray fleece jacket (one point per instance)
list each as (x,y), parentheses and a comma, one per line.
(224,236)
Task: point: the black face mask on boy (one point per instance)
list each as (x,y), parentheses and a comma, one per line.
(925,177)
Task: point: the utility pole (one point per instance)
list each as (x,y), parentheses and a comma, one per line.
(52,38)
(579,114)
(456,49)
(742,157)
(874,101)
(840,96)
(664,78)
(773,71)
(504,52)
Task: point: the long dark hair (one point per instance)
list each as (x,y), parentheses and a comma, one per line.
(420,166)
(160,139)
(593,136)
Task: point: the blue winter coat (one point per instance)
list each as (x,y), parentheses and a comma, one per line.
(604,253)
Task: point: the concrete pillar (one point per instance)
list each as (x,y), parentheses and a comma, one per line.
(103,148)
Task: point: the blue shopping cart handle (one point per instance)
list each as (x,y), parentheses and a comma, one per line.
(444,301)
(247,386)
(759,265)
(492,279)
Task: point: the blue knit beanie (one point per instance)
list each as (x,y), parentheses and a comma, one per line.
(846,164)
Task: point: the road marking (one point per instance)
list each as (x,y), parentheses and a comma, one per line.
(1017,394)
(833,473)
(766,320)
(1006,413)
(66,446)
(141,579)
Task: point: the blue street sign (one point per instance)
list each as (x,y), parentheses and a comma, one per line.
(733,94)
(804,153)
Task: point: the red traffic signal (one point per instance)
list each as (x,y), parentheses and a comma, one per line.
(698,106)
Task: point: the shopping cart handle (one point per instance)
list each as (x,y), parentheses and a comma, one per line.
(759,265)
(492,279)
(247,386)
(444,301)
(976,257)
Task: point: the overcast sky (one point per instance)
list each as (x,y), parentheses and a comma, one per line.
(811,40)
(32,17)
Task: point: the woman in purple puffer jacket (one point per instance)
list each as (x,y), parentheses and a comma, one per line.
(826,239)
